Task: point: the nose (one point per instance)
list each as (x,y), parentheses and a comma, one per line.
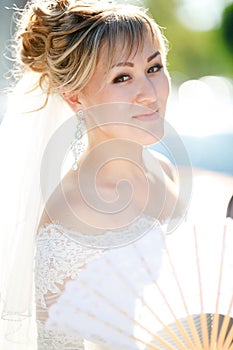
(146,92)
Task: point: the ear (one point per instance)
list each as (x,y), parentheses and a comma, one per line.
(71,98)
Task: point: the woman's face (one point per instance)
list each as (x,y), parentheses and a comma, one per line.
(130,100)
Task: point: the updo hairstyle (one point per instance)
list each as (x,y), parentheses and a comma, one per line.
(61,39)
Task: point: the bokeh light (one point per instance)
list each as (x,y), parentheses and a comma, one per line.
(203,107)
(200,15)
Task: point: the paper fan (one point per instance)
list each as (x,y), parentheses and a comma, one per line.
(160,292)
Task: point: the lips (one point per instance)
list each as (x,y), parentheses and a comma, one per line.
(148,116)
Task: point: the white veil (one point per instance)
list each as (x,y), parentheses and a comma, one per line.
(24,134)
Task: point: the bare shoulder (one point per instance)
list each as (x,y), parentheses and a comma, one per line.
(173,204)
(165,163)
(59,206)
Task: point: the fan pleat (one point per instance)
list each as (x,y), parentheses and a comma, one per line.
(179,294)
(169,331)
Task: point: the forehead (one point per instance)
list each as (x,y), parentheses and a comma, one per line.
(124,51)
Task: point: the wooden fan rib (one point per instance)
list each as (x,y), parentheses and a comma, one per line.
(204,326)
(204,331)
(224,331)
(214,332)
(108,324)
(117,329)
(228,343)
(180,326)
(121,331)
(227,325)
(203,317)
(197,343)
(215,327)
(155,337)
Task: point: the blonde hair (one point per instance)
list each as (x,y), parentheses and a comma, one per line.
(61,39)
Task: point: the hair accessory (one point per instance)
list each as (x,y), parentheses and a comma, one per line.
(78,145)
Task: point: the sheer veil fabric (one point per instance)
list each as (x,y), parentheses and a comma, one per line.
(24,134)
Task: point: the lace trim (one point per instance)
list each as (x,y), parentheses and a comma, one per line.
(60,255)
(51,340)
(110,238)
(57,259)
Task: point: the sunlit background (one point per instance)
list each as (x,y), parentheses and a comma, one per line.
(200,61)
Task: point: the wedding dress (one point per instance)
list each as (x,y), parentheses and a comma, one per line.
(60,257)
(25,132)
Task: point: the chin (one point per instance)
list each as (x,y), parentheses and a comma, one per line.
(153,137)
(152,141)
(147,139)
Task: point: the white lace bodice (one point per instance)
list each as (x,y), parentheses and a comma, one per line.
(60,256)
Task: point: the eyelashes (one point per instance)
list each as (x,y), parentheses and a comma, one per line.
(125,76)
(155,68)
(121,78)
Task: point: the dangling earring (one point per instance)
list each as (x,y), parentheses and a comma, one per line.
(78,145)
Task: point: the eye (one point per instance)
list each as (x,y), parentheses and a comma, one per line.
(121,78)
(156,68)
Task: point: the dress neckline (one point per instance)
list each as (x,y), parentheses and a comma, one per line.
(109,238)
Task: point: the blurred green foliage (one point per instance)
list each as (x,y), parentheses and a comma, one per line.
(227,26)
(193,54)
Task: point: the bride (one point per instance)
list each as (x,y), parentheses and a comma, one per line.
(94,86)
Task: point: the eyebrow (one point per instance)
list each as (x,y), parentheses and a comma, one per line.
(157,53)
(130,64)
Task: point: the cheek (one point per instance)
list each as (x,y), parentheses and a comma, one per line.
(115,94)
(91,96)
(163,90)
(167,85)
(96,97)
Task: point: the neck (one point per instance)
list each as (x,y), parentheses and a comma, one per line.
(112,160)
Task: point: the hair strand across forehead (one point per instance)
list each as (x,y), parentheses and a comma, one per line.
(63,39)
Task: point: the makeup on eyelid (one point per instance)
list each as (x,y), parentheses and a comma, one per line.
(133,95)
(124,74)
